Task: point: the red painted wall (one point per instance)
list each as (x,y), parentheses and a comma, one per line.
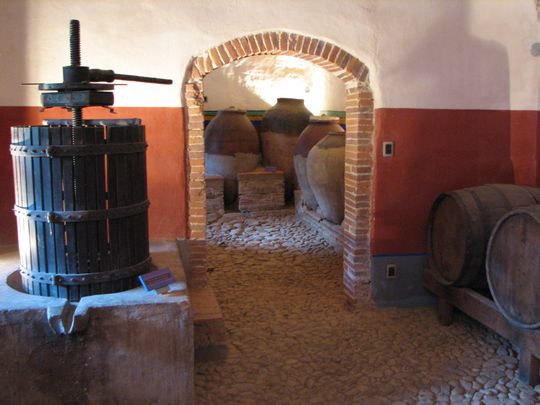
(440,150)
(165,157)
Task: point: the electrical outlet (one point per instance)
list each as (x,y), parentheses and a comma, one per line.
(388,149)
(391,270)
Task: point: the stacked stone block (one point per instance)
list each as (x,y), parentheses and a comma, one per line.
(214,198)
(261,191)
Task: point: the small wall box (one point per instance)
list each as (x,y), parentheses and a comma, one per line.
(391,271)
(388,148)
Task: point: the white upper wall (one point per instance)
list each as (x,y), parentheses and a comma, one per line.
(255,84)
(466,54)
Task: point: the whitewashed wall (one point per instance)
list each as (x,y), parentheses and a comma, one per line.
(421,53)
(255,84)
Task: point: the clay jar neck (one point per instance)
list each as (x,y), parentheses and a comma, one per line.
(288,117)
(332,140)
(318,128)
(323,120)
(231,111)
(296,104)
(287,100)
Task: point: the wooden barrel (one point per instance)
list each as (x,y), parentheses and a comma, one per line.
(82,208)
(513,266)
(460,223)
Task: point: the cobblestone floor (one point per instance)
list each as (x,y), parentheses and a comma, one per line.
(292,341)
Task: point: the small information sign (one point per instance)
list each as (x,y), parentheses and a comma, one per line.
(157,280)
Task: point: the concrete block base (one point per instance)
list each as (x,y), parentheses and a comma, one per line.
(403,288)
(125,348)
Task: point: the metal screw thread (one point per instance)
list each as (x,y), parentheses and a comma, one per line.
(76,112)
(76,117)
(75,43)
(75,55)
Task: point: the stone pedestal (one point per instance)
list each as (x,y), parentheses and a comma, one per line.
(214,198)
(261,191)
(126,348)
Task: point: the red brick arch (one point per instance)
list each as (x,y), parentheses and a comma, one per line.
(358,148)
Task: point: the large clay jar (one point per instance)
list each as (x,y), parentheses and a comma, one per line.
(280,127)
(231,146)
(317,129)
(326,171)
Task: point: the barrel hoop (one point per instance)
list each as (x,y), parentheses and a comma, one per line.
(83,215)
(491,241)
(77,150)
(57,279)
(530,191)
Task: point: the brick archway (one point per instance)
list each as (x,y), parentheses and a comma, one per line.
(358,147)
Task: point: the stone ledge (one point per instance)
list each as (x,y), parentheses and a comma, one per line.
(260,173)
(209,326)
(332,233)
(128,347)
(208,323)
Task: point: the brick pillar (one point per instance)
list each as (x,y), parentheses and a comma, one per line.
(196,184)
(358,170)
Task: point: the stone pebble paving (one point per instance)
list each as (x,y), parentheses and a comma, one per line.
(291,340)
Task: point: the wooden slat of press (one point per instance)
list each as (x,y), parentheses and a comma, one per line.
(24,203)
(146,241)
(39,189)
(142,196)
(138,193)
(15,139)
(47,205)
(55,167)
(136,198)
(69,205)
(79,174)
(125,197)
(25,230)
(131,221)
(30,204)
(103,227)
(101,203)
(122,196)
(113,202)
(91,204)
(24,221)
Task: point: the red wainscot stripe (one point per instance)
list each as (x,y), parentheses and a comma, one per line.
(441,150)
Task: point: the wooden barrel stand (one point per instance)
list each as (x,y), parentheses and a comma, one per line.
(484,310)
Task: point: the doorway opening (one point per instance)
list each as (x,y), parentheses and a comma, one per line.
(358,144)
